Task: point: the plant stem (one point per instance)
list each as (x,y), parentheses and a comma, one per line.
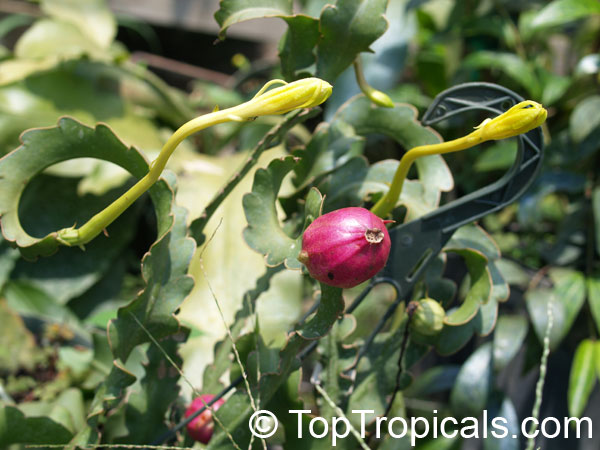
(539,388)
(304,93)
(405,336)
(376,96)
(94,226)
(519,119)
(385,205)
(197,226)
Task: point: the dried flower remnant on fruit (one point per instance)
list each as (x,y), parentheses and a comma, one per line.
(345,247)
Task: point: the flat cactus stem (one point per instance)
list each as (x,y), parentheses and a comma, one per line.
(198,225)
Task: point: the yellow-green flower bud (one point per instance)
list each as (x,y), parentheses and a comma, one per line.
(521,118)
(304,93)
(380,98)
(428,318)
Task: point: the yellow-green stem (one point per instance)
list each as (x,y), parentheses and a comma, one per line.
(94,226)
(376,96)
(521,118)
(303,93)
(385,205)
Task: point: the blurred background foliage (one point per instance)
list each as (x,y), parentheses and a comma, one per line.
(61,381)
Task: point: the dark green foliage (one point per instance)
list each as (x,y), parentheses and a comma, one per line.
(91,342)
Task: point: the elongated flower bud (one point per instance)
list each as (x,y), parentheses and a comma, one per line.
(304,93)
(519,119)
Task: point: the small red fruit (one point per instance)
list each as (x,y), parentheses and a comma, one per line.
(201,428)
(345,247)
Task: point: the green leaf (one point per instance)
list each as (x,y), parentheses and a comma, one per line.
(400,124)
(597,359)
(555,86)
(510,333)
(110,391)
(453,338)
(567,297)
(569,290)
(473,383)
(12,70)
(92,17)
(560,12)
(593,296)
(474,237)
(582,377)
(331,306)
(13,21)
(90,92)
(296,48)
(264,232)
(71,401)
(15,427)
(500,155)
(235,11)
(211,383)
(360,22)
(50,203)
(235,413)
(8,258)
(17,344)
(50,38)
(42,148)
(513,273)
(479,291)
(28,300)
(502,407)
(584,125)
(433,381)
(537,301)
(596,212)
(147,409)
(330,146)
(164,269)
(512,65)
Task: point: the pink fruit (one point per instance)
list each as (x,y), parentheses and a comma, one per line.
(201,428)
(345,247)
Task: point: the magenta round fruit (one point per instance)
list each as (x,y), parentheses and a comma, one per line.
(345,247)
(201,428)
